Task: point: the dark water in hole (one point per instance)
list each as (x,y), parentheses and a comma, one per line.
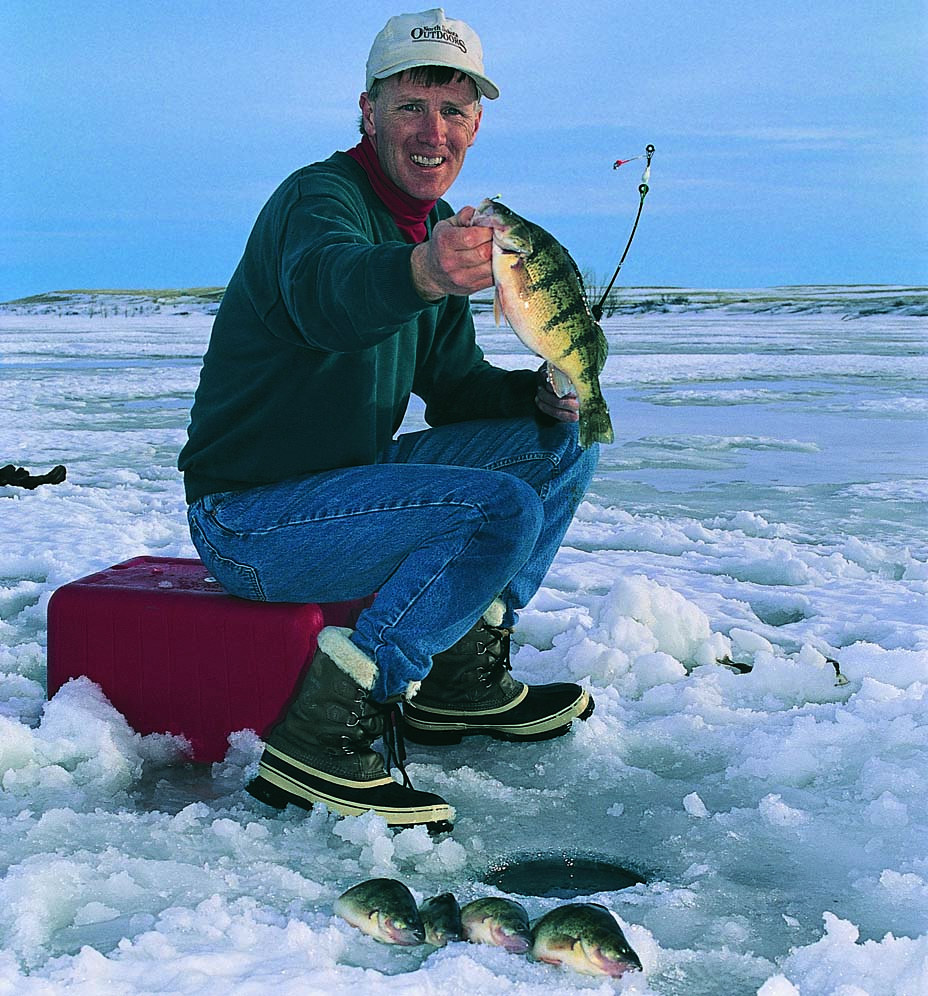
(560,875)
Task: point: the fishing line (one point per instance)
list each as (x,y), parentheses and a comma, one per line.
(597,308)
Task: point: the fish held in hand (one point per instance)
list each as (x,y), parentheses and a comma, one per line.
(383,908)
(540,293)
(584,937)
(441,918)
(498,921)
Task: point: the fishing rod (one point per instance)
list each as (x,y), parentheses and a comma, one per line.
(597,308)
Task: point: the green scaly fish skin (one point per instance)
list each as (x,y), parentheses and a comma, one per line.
(540,293)
(441,917)
(383,908)
(584,937)
(498,921)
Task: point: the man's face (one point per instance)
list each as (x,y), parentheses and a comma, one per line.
(422,133)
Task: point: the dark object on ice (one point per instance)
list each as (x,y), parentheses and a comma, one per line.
(21,478)
(559,875)
(840,677)
(441,918)
(739,667)
(586,938)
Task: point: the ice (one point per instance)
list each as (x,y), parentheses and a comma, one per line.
(695,806)
(840,965)
(765,503)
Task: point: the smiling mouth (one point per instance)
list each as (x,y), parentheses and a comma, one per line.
(427,161)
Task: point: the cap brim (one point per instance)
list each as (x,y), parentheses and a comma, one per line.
(486,87)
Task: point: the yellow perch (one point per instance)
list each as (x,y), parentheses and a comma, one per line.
(539,291)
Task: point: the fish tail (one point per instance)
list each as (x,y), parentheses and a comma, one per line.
(595,424)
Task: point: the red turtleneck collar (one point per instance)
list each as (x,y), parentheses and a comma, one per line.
(409,213)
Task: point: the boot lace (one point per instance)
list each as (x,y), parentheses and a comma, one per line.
(393,741)
(496,654)
(364,723)
(372,720)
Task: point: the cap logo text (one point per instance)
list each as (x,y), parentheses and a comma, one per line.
(437,33)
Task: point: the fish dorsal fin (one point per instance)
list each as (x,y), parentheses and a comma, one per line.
(602,348)
(573,263)
(576,269)
(497,306)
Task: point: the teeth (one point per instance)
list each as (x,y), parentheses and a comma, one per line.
(428,160)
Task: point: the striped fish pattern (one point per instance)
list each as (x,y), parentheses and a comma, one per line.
(540,293)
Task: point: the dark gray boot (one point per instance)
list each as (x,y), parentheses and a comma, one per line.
(321,750)
(469,691)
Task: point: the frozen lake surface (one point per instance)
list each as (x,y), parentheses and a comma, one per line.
(766,500)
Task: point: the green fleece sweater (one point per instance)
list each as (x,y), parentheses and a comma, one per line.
(321,338)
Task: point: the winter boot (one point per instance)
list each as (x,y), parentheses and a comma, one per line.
(470,691)
(321,750)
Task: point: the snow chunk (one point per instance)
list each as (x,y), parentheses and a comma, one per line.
(695,806)
(645,634)
(778,813)
(837,965)
(84,753)
(779,985)
(668,622)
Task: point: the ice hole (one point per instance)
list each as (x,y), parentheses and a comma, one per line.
(560,874)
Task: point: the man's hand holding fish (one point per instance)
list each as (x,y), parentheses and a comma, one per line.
(455,260)
(564,409)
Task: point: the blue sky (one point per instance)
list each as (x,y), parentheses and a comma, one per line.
(140,139)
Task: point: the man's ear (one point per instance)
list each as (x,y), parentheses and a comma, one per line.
(367,115)
(477,121)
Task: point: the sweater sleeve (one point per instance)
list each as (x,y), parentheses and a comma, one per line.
(325,266)
(347,285)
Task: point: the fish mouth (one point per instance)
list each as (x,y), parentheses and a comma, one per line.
(404,936)
(513,943)
(502,237)
(427,162)
(613,964)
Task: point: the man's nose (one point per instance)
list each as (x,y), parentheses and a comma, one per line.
(432,129)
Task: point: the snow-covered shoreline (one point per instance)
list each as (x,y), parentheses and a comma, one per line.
(851,300)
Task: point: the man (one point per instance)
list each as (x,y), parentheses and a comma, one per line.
(350,296)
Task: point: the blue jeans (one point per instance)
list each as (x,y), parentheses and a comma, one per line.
(445,522)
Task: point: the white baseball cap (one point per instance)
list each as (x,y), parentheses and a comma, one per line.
(428,39)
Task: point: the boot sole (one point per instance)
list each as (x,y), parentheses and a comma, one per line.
(441,733)
(282,781)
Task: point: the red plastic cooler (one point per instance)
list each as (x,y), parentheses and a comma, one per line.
(175,654)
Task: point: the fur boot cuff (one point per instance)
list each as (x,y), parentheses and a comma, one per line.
(334,641)
(494,614)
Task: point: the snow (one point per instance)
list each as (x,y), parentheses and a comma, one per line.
(765,502)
